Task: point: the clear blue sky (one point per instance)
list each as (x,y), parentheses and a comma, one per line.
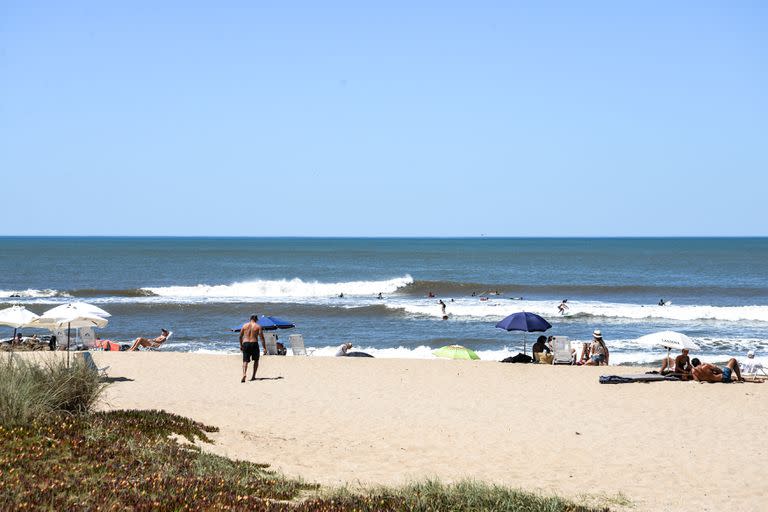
(384,118)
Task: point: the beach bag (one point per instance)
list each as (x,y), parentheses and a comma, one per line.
(519,358)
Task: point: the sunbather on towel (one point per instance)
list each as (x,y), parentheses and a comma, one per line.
(710,373)
(150,343)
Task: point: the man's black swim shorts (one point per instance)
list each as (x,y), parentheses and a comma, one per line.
(250,351)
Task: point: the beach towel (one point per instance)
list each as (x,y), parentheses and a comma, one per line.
(643,377)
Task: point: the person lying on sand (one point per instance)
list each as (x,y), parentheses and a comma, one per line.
(710,373)
(150,343)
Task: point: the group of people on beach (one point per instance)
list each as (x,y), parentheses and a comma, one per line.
(592,354)
(596,354)
(686,368)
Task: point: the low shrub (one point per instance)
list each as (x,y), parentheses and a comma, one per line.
(30,389)
(127,460)
(465,496)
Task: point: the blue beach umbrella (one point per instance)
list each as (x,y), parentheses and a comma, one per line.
(524,321)
(271,323)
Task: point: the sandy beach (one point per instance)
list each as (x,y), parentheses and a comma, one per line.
(658,446)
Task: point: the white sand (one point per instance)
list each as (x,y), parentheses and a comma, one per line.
(663,446)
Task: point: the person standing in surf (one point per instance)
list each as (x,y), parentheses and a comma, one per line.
(249,344)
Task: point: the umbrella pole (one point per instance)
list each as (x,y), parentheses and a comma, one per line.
(69,330)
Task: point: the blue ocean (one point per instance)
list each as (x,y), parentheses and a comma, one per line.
(716,290)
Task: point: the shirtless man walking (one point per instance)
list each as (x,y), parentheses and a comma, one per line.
(249,344)
(710,373)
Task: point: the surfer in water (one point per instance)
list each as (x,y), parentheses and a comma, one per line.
(563,307)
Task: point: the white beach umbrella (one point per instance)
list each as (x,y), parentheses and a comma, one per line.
(16,317)
(75,314)
(76,320)
(668,340)
(67,310)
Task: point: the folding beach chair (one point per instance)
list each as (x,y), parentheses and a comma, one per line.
(270,339)
(753,371)
(297,344)
(91,364)
(561,350)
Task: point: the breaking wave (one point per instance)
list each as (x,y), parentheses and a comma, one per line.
(31,294)
(283,288)
(499,308)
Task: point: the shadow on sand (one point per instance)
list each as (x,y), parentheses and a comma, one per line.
(110,380)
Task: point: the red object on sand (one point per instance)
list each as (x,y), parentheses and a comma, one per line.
(107,345)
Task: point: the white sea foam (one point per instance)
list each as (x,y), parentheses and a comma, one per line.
(283,288)
(499,308)
(31,294)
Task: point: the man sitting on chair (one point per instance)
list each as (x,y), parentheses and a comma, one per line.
(150,343)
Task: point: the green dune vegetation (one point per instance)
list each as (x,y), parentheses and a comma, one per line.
(56,453)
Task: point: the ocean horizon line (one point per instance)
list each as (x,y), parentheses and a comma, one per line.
(390,237)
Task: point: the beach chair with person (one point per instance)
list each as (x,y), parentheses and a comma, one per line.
(158,345)
(153,343)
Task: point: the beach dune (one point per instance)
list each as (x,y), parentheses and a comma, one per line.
(658,446)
